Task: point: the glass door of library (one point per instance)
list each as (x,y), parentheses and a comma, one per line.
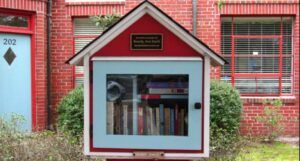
(147,104)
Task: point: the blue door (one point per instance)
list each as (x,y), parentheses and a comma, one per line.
(147,104)
(15,77)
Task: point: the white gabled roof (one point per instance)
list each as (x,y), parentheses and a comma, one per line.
(134,15)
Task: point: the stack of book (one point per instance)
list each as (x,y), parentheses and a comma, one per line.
(119,119)
(165,90)
(167,87)
(155,113)
(162,120)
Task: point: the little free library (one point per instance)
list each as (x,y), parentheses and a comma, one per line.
(147,77)
(146,89)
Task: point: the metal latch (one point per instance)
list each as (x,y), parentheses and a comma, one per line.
(197,105)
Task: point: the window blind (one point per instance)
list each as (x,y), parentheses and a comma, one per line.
(84,32)
(255,48)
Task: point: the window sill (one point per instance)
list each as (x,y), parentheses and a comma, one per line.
(259,100)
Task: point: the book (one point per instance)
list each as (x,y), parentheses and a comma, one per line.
(181,123)
(145,129)
(110,118)
(172,121)
(154,120)
(120,107)
(125,120)
(148,121)
(140,120)
(151,121)
(116,119)
(176,120)
(167,120)
(129,118)
(161,119)
(167,84)
(168,90)
(174,96)
(157,123)
(159,96)
(185,124)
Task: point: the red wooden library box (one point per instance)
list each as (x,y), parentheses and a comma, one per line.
(146,89)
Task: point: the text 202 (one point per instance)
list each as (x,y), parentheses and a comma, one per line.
(9,41)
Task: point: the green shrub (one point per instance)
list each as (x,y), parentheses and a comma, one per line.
(70,112)
(271,118)
(105,21)
(225,115)
(10,136)
(39,146)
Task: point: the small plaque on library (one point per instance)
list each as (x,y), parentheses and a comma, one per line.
(146,42)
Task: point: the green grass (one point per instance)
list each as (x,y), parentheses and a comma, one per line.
(269,152)
(253,150)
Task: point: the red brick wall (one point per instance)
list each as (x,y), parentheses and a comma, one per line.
(252,110)
(62,41)
(179,10)
(208,30)
(39,9)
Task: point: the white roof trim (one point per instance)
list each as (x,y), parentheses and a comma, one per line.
(131,19)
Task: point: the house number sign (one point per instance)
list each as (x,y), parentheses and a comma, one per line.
(146,42)
(9,41)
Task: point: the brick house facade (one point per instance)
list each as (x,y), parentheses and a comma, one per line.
(65,14)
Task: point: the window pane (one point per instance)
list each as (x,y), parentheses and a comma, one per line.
(287,26)
(287,66)
(256,46)
(161,102)
(257,26)
(12,20)
(226,45)
(226,69)
(84,26)
(226,27)
(256,64)
(82,42)
(254,55)
(286,85)
(258,54)
(79,81)
(85,31)
(79,44)
(287,45)
(257,85)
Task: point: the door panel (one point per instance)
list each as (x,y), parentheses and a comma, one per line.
(15,77)
(149,86)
